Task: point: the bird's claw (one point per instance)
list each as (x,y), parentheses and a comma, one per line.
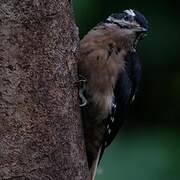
(82,81)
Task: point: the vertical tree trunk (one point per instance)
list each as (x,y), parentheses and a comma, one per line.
(40,128)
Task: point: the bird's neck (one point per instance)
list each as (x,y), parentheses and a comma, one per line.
(107,32)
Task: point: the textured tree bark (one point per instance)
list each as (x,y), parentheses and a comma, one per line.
(40,129)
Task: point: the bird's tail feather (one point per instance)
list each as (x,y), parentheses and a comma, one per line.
(94,165)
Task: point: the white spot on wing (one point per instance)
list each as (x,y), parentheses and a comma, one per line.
(133,98)
(130,12)
(114,105)
(112,119)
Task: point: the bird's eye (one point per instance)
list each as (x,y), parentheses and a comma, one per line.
(128,18)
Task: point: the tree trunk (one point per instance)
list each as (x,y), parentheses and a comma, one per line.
(40,129)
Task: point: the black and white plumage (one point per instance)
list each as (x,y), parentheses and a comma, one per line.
(111,71)
(124,92)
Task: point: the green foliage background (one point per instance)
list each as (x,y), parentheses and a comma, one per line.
(147,147)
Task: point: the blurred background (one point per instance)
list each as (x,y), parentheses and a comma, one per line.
(147,147)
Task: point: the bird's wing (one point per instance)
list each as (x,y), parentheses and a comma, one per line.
(124,92)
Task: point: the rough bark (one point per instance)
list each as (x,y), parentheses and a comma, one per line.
(40,128)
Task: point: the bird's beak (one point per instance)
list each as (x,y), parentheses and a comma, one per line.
(141,33)
(141,30)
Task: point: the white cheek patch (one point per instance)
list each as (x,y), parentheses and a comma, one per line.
(130,12)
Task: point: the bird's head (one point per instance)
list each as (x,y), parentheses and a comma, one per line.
(131,23)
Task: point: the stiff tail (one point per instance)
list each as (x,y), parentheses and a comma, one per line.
(94,165)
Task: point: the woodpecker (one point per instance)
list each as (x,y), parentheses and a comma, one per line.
(110,70)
